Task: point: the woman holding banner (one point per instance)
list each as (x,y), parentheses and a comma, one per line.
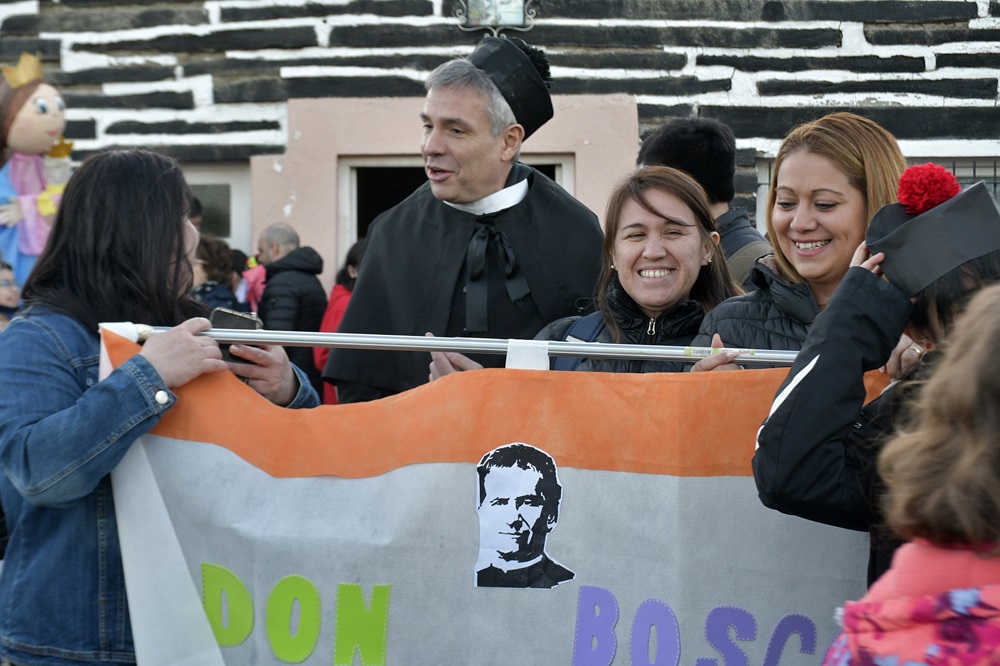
(830,176)
(121,249)
(661,270)
(816,451)
(940,600)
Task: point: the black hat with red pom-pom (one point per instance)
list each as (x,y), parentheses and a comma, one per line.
(935,228)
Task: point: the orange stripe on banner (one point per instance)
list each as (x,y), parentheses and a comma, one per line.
(682,424)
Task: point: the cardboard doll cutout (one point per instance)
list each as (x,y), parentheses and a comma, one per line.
(34,162)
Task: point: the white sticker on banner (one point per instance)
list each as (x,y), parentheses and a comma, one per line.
(528,354)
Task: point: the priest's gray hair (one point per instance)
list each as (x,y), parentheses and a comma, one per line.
(460,73)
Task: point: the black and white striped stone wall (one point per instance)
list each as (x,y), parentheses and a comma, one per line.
(208,81)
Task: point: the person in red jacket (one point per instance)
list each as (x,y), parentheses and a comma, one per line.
(339,296)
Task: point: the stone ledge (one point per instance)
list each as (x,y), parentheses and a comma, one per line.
(800,64)
(382,86)
(130,74)
(679,85)
(153,100)
(928,35)
(103,20)
(975,60)
(956,88)
(197,153)
(216,42)
(746,179)
(547,35)
(746,157)
(11,48)
(81,129)
(749,201)
(396,8)
(181,127)
(869,11)
(652,116)
(399,36)
(231,67)
(269,89)
(49,5)
(698,36)
(648,59)
(924,123)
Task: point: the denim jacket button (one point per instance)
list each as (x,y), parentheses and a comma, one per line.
(161,397)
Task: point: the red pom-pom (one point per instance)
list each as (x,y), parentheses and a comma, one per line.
(924,186)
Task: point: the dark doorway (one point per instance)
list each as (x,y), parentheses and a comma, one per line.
(381,188)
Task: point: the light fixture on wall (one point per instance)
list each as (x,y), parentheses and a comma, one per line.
(495,15)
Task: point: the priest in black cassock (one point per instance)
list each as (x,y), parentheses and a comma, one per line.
(488,247)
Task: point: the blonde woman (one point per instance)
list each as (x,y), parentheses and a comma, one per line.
(830,176)
(817,449)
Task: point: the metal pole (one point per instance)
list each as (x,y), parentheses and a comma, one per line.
(483,345)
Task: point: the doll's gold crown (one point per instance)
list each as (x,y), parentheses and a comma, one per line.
(28,69)
(61,149)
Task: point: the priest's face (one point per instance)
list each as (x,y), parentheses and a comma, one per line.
(514,517)
(463,160)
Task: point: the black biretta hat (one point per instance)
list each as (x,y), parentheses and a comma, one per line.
(934,229)
(519,81)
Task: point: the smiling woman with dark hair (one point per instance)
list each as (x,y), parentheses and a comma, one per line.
(662,270)
(121,249)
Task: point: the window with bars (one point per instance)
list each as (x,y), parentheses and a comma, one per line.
(970,171)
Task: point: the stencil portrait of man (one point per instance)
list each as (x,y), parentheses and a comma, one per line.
(519,497)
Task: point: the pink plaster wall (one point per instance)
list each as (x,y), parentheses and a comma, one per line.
(599,132)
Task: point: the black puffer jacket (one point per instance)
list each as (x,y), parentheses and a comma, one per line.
(676,327)
(817,450)
(776,316)
(294,300)
(735,233)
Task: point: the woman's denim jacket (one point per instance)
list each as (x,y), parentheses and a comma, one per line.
(62,590)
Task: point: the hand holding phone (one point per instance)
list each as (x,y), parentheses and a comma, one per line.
(226,318)
(269,373)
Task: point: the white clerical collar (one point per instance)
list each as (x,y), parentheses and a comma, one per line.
(514,565)
(505,198)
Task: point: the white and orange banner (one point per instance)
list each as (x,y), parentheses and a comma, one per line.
(491,517)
